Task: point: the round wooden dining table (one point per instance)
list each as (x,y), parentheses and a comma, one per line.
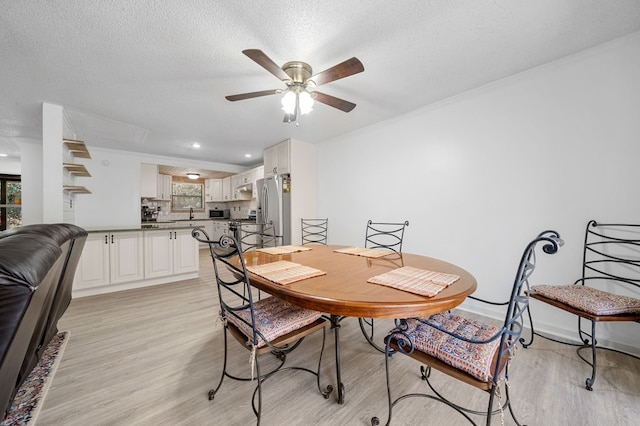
(344,290)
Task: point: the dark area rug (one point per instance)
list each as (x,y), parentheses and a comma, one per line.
(30,397)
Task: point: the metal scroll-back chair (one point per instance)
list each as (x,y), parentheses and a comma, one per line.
(386,236)
(604,293)
(468,350)
(267,326)
(252,237)
(314,231)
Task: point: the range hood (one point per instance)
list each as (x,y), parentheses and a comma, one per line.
(247,187)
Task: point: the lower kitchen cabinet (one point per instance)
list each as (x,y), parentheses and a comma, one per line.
(170,252)
(110,258)
(219,229)
(209,227)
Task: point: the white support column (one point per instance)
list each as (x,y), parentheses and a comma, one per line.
(52,159)
(32,178)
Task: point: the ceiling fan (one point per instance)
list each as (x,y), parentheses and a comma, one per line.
(300,92)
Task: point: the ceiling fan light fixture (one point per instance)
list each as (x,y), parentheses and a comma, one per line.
(289,102)
(193,175)
(305,102)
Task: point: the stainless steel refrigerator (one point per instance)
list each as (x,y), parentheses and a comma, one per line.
(274,205)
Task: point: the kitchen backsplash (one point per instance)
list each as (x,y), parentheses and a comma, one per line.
(237,209)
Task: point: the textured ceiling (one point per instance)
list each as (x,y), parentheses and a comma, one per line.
(151,76)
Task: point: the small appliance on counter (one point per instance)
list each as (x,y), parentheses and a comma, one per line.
(148,214)
(219,214)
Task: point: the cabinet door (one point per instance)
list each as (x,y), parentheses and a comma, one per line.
(158,253)
(148,180)
(186,254)
(283,152)
(258,173)
(126,257)
(93,267)
(270,161)
(215,189)
(164,187)
(226,189)
(277,159)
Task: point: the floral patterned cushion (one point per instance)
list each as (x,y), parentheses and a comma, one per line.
(589,299)
(473,358)
(273,317)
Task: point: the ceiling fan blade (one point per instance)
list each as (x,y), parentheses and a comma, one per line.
(265,62)
(250,95)
(342,70)
(332,101)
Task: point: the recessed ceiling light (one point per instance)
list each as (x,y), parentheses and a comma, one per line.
(193,175)
(247,156)
(3,155)
(195,145)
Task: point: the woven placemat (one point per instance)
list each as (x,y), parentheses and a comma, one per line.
(283,249)
(415,280)
(366,252)
(285,272)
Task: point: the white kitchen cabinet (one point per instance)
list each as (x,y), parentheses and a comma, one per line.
(208,226)
(277,159)
(110,258)
(239,191)
(257,174)
(164,188)
(213,190)
(148,180)
(226,189)
(169,252)
(219,229)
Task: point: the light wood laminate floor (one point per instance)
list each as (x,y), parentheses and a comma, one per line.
(149,357)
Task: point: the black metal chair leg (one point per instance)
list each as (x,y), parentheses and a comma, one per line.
(589,382)
(533,333)
(368,322)
(212,392)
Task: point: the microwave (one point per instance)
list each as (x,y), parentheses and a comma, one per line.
(219,214)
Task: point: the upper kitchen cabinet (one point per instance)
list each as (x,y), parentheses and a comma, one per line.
(227,193)
(148,180)
(164,188)
(213,190)
(240,189)
(258,174)
(244,184)
(153,185)
(277,159)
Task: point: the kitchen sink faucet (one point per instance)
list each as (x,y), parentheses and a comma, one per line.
(190,213)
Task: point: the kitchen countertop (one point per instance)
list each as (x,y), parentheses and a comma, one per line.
(154,226)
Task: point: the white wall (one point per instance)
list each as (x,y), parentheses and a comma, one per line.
(479,175)
(115,186)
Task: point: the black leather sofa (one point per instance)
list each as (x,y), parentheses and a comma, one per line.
(37,265)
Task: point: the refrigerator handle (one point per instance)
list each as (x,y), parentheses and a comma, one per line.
(265,204)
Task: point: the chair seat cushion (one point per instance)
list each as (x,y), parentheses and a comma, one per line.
(473,358)
(589,299)
(274,317)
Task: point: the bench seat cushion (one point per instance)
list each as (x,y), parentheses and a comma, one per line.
(589,299)
(473,358)
(274,317)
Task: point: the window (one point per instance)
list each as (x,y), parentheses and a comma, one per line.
(10,202)
(185,196)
